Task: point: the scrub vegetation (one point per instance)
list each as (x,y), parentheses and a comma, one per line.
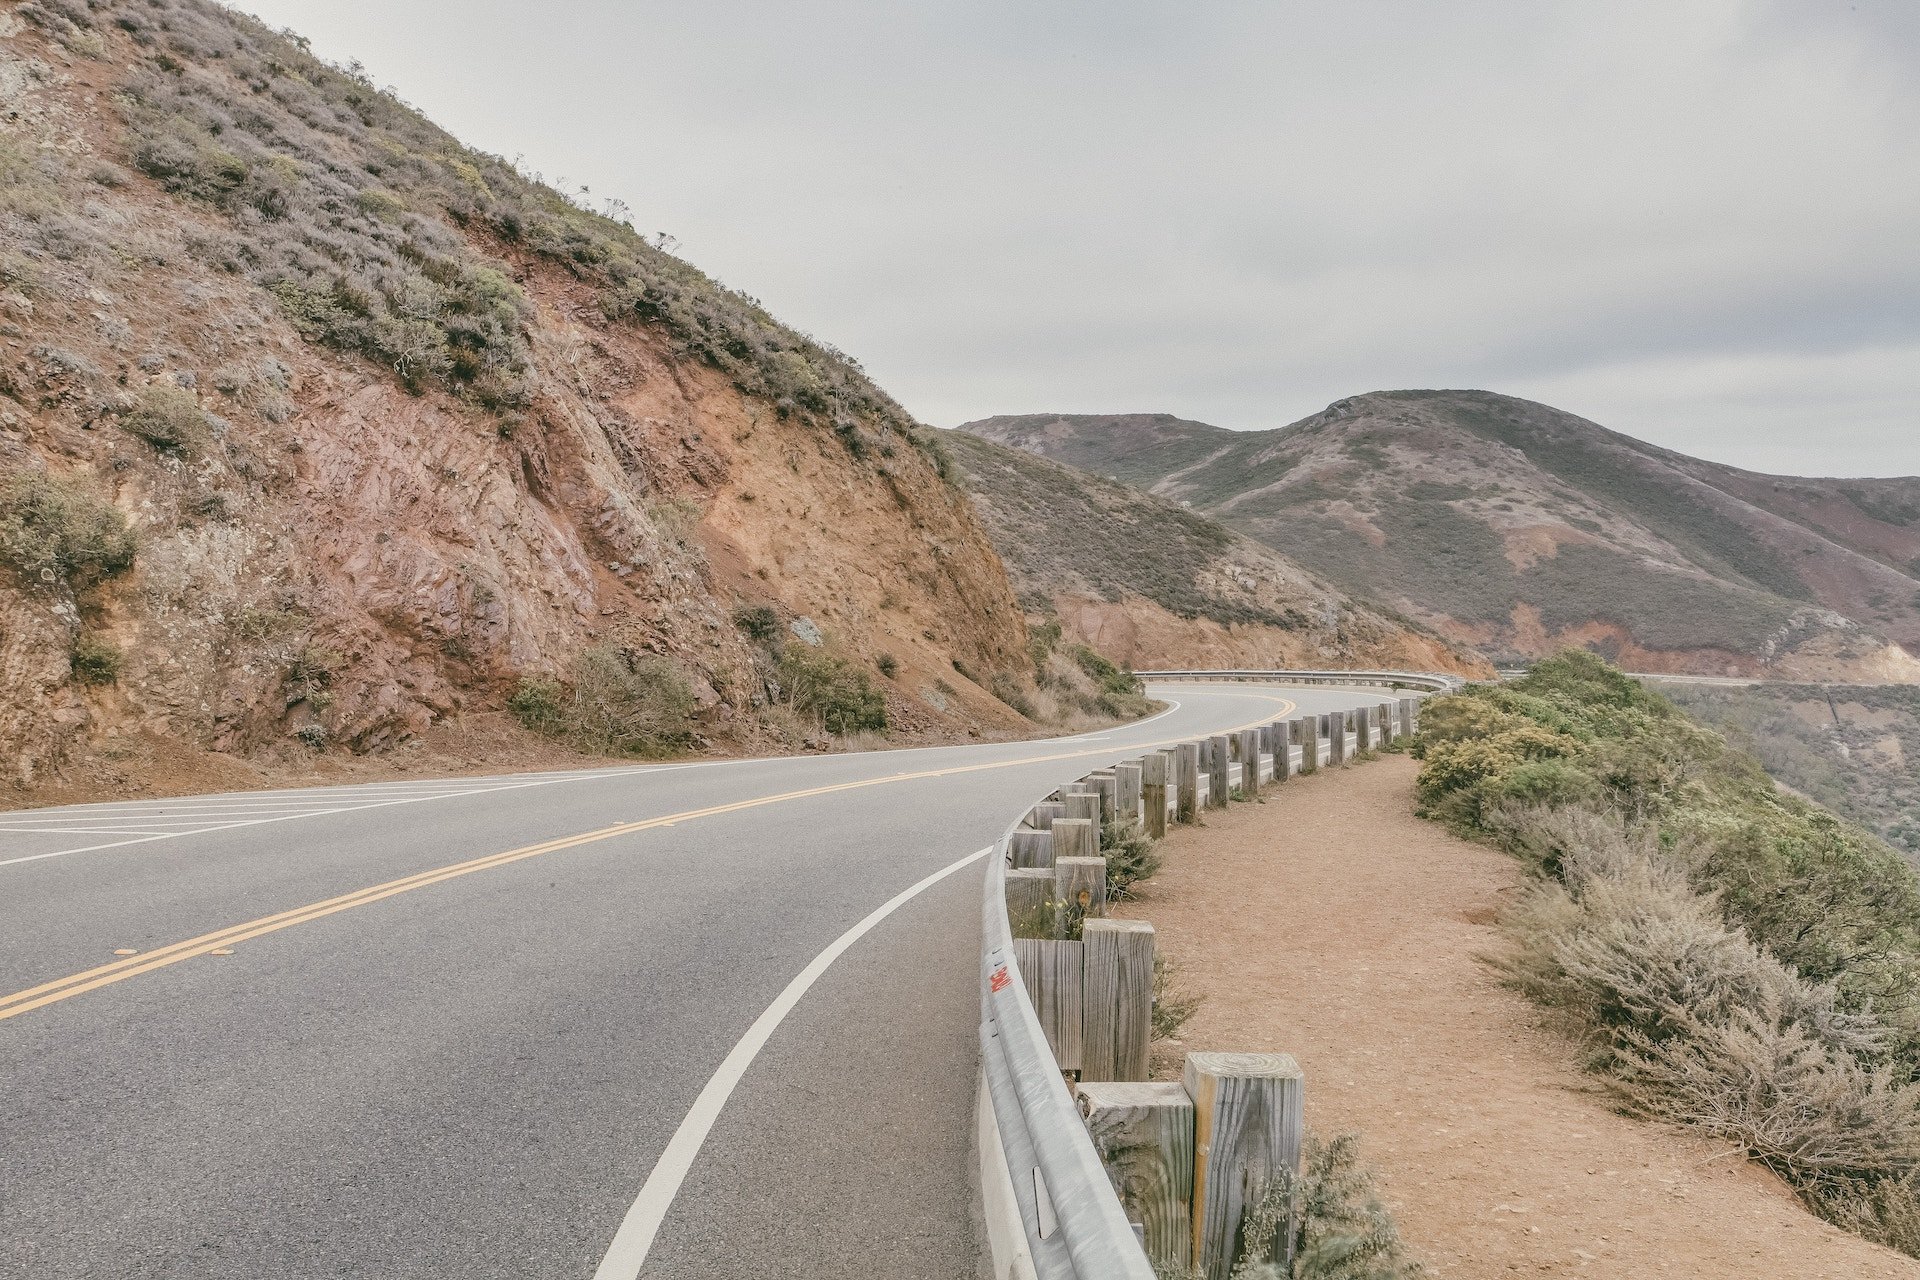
(1739,959)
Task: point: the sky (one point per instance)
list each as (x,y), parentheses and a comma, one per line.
(1695,223)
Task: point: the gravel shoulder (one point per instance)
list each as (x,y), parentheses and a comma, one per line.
(1332,924)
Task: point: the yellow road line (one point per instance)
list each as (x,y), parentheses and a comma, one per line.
(132,966)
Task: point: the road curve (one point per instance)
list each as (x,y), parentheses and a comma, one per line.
(448,1029)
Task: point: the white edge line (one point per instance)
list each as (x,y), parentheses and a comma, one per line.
(631,1243)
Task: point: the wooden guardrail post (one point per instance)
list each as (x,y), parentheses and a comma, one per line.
(1085,805)
(1413,716)
(1337,738)
(1282,750)
(1101,780)
(1075,838)
(1249,763)
(1173,779)
(1080,889)
(1117,986)
(1406,717)
(1309,744)
(1031,849)
(1363,730)
(1029,890)
(1187,796)
(1126,791)
(1153,793)
(1051,969)
(1217,783)
(1247,1122)
(1144,1134)
(1041,816)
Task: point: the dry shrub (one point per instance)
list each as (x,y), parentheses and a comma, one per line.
(57,533)
(613,703)
(1694,1024)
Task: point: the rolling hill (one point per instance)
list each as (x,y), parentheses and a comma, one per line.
(1154,585)
(1518,529)
(318,426)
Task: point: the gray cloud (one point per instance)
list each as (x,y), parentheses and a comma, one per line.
(1694,223)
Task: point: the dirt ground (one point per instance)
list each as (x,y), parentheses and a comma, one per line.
(1332,924)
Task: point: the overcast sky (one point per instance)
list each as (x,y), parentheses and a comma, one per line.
(1698,222)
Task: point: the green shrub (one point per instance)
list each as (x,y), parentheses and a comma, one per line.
(170,419)
(95,661)
(1132,855)
(612,703)
(759,623)
(53,531)
(827,686)
(887,665)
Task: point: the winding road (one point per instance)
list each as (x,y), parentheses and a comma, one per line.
(711,1019)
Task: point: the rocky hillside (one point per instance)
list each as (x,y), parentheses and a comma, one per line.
(1519,529)
(317,426)
(1154,585)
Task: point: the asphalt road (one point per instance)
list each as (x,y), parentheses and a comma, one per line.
(432,1029)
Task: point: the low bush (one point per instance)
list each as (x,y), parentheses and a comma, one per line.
(759,623)
(170,419)
(826,686)
(612,703)
(1172,1008)
(1741,961)
(887,665)
(1132,855)
(1331,1221)
(95,661)
(55,532)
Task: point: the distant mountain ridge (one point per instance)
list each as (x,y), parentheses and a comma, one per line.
(1154,585)
(1518,528)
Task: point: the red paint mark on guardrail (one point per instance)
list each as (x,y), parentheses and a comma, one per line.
(1000,980)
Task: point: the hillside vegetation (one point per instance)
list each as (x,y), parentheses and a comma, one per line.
(318,427)
(1854,749)
(1159,586)
(1518,529)
(1742,960)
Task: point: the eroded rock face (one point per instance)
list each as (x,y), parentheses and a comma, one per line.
(337,557)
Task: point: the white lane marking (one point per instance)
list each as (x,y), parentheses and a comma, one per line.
(85,831)
(628,1252)
(258,822)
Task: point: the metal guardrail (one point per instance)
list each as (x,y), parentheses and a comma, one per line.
(1071,1225)
(1431,681)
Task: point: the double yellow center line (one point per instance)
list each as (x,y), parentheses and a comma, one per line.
(133,966)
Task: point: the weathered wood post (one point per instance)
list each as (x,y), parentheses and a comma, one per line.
(1406,716)
(1363,730)
(1187,807)
(1117,986)
(1249,763)
(1172,758)
(1102,781)
(1217,783)
(1051,969)
(1144,1134)
(1029,890)
(1153,793)
(1075,838)
(1282,750)
(1085,805)
(1337,738)
(1031,848)
(1413,717)
(1126,791)
(1309,744)
(1247,1121)
(1080,888)
(1041,817)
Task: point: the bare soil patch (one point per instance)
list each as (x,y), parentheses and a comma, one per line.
(1332,924)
